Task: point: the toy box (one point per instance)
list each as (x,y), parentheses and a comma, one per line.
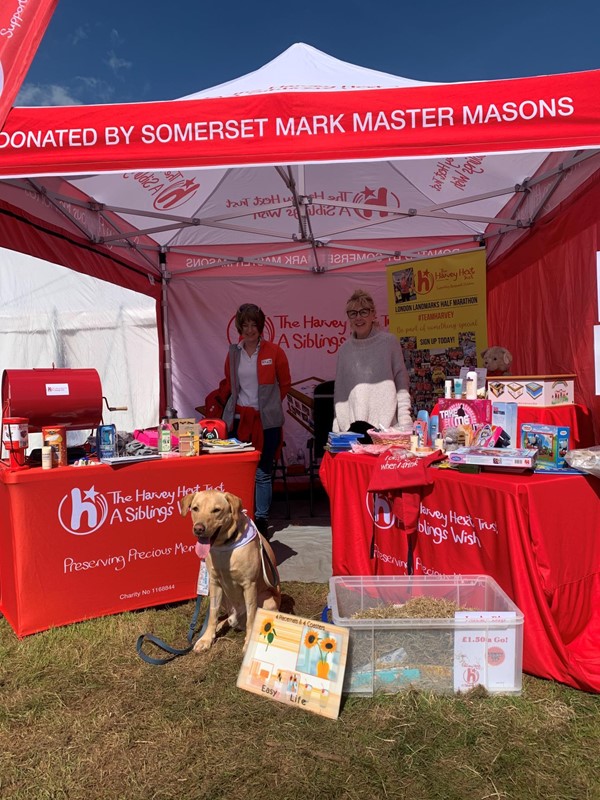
(478,642)
(463,412)
(505,415)
(495,457)
(550,441)
(532,390)
(301,403)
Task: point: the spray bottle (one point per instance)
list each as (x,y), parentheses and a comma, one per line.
(164,436)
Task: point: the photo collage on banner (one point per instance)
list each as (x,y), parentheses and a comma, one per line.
(437,308)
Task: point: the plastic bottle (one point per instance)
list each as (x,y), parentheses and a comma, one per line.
(164,436)
(471,386)
(47,456)
(434,426)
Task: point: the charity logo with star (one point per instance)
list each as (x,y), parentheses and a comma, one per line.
(82,511)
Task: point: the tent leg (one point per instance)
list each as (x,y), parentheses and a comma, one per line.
(167,364)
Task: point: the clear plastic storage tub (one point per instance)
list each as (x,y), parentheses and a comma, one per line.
(399,639)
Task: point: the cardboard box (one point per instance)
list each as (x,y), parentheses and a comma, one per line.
(183,425)
(497,457)
(482,642)
(550,441)
(532,390)
(301,403)
(505,415)
(463,412)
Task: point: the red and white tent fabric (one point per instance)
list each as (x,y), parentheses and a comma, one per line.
(22,25)
(294,184)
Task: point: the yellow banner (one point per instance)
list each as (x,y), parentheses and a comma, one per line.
(438,311)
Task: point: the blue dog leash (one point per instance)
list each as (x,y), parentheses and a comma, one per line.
(272,579)
(173,651)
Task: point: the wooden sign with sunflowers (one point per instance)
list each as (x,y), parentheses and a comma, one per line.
(296,661)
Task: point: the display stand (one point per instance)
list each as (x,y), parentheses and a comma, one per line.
(536,535)
(83,542)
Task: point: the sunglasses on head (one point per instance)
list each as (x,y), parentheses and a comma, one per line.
(362,312)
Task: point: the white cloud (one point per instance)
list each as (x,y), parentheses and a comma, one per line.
(96,90)
(115,38)
(32,94)
(80,34)
(116,63)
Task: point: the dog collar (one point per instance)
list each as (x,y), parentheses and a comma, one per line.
(250,533)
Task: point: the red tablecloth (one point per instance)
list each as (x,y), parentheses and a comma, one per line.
(578,418)
(538,536)
(83,542)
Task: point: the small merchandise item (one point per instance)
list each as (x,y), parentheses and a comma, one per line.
(463,412)
(421,431)
(15,438)
(213,429)
(47,457)
(434,427)
(164,437)
(550,441)
(391,436)
(56,437)
(494,458)
(471,386)
(504,415)
(497,360)
(342,442)
(189,444)
(402,475)
(106,441)
(587,460)
(485,436)
(533,390)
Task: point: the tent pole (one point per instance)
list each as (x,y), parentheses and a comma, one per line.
(164,306)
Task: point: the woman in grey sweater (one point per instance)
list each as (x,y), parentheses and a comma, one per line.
(371,381)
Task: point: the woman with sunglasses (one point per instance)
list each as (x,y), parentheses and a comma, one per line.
(257,378)
(371,381)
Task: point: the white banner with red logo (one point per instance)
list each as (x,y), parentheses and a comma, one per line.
(548,112)
(22,25)
(305,317)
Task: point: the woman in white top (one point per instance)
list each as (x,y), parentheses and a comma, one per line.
(371,381)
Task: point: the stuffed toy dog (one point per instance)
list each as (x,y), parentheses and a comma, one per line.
(497,360)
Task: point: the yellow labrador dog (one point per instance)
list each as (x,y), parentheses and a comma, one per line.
(241,578)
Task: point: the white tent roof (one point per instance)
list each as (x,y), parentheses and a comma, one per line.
(302,68)
(320,206)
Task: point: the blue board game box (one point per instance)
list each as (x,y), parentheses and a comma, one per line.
(551,442)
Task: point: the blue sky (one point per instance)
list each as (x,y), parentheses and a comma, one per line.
(141,50)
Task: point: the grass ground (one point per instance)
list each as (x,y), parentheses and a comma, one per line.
(82,717)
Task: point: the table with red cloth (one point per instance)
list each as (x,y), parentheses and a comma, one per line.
(83,542)
(537,535)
